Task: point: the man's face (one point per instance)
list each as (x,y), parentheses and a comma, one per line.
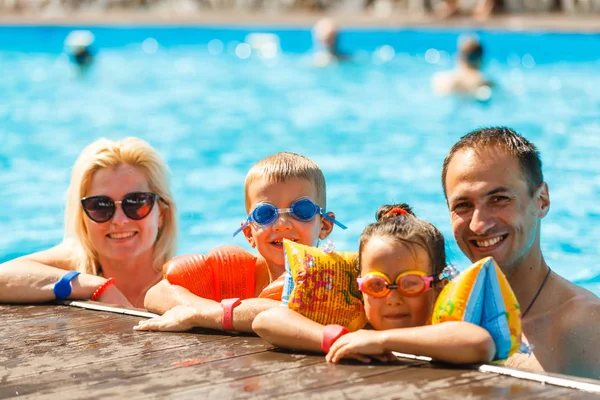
(491,210)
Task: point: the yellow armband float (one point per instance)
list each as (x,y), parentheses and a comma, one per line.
(321,285)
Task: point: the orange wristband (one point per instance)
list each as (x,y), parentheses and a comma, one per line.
(331,333)
(102,288)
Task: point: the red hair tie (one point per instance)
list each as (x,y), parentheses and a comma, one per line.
(397,211)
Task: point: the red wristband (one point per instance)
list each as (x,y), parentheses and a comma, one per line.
(228,306)
(102,288)
(331,333)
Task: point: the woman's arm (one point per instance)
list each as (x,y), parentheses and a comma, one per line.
(31,278)
(283,327)
(184,310)
(452,342)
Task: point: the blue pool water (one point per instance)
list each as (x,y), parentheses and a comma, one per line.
(372,124)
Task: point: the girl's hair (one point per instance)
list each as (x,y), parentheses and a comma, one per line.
(398,222)
(104,153)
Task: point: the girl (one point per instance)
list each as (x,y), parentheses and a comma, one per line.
(401,259)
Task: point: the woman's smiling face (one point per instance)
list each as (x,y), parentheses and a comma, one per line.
(122,238)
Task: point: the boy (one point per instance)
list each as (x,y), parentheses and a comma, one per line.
(285,199)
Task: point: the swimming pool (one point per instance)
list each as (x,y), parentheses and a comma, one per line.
(213,108)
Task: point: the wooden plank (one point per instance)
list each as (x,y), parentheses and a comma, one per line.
(435,383)
(48,342)
(122,371)
(566,381)
(277,383)
(409,383)
(174,380)
(588,385)
(62,352)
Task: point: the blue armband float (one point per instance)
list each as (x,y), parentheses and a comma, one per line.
(482,296)
(62,288)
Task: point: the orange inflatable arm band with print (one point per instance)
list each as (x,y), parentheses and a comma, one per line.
(225,272)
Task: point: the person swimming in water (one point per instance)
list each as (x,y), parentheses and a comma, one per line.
(325,38)
(466,78)
(79,46)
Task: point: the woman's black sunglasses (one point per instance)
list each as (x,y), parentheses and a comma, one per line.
(135,205)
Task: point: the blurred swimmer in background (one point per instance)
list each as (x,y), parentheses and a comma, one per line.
(466,78)
(79,47)
(325,43)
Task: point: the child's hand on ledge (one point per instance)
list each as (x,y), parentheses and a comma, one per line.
(177,319)
(362,345)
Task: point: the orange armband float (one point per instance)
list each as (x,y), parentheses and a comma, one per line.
(274,289)
(225,272)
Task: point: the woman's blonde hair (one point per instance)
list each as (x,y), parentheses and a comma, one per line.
(104,153)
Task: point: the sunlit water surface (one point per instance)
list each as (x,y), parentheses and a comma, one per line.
(213,107)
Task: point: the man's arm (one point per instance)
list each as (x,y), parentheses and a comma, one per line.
(183,310)
(580,350)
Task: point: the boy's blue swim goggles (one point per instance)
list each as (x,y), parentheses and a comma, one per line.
(302,209)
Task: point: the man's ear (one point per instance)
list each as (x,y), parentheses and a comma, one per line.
(247,231)
(326,226)
(542,199)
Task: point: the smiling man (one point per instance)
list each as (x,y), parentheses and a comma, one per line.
(497,197)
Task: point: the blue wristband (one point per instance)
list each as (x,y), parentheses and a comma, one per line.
(62,288)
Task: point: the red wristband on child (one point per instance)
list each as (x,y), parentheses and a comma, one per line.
(331,333)
(102,288)
(228,306)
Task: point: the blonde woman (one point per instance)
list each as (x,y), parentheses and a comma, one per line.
(120,228)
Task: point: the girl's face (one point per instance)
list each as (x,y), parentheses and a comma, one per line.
(386,255)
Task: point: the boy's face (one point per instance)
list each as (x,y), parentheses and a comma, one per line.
(267,239)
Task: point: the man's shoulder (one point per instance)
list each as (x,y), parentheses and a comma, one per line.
(579,336)
(576,324)
(581,312)
(578,304)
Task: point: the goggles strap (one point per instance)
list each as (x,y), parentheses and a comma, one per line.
(241,228)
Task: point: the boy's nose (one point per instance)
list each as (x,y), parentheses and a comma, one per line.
(282,222)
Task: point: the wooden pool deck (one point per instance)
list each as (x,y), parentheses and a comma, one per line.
(62,352)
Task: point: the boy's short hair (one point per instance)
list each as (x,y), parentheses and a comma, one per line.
(280,167)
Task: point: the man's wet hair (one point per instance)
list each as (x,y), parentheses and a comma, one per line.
(508,140)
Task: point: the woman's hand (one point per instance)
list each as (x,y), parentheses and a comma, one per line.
(362,345)
(177,319)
